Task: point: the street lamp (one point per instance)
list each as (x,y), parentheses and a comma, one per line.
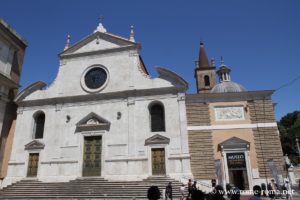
(297,142)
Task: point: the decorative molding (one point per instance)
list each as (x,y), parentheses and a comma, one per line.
(179,157)
(173,78)
(92,122)
(229,113)
(16,163)
(126,159)
(58,107)
(66,147)
(116,145)
(34,145)
(229,97)
(111,96)
(232,126)
(234,143)
(157,139)
(60,162)
(29,90)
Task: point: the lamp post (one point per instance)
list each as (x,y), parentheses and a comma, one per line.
(297,142)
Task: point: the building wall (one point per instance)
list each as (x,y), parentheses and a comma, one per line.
(125,156)
(12,50)
(200,142)
(257,126)
(267,140)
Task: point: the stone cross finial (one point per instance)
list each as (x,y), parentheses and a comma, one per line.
(222,60)
(100,27)
(131,37)
(68,42)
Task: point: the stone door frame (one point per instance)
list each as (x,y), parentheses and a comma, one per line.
(226,169)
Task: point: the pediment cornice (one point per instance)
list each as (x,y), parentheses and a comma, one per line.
(34,145)
(92,122)
(157,139)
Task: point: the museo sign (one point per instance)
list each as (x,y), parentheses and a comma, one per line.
(236,160)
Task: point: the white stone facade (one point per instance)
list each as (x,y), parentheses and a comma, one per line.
(123,103)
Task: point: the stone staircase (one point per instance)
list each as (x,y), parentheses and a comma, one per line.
(87,188)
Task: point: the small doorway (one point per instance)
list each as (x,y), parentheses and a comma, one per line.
(92,156)
(158,162)
(237,170)
(33,164)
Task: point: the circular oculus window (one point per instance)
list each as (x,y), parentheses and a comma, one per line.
(94,79)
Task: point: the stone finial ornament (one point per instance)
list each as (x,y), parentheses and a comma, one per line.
(68,44)
(131,37)
(100,27)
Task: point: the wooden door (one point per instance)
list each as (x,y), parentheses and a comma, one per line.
(33,164)
(92,156)
(158,162)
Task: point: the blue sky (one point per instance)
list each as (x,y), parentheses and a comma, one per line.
(259,40)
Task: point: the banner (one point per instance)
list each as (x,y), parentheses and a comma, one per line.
(219,172)
(273,169)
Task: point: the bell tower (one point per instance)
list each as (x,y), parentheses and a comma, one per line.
(205,72)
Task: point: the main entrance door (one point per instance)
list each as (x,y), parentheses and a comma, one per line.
(237,170)
(158,162)
(92,156)
(33,163)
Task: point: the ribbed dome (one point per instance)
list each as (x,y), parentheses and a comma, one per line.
(228,86)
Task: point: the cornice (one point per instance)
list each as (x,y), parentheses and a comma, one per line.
(229,97)
(101,96)
(103,51)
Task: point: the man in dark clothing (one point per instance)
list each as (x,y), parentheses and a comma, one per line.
(190,188)
(194,186)
(153,193)
(169,191)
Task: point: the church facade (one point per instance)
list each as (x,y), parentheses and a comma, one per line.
(102,116)
(233,134)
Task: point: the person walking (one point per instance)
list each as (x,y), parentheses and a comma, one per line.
(288,190)
(169,191)
(272,189)
(189,189)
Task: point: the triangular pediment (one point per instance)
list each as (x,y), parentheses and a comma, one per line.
(92,122)
(157,139)
(234,143)
(35,144)
(98,42)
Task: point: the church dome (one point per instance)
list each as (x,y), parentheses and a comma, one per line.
(228,86)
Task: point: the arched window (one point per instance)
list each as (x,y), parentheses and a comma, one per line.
(206,80)
(157,115)
(39,123)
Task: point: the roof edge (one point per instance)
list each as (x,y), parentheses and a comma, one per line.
(171,76)
(229,96)
(29,90)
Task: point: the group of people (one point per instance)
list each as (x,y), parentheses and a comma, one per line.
(275,191)
(218,192)
(192,190)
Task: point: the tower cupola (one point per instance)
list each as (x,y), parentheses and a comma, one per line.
(224,72)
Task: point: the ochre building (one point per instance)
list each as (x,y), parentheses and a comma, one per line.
(12,50)
(233,134)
